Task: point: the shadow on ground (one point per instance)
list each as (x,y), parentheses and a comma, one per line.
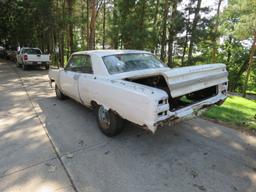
(27,159)
(194,155)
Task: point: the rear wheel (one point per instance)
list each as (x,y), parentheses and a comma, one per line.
(59,94)
(110,123)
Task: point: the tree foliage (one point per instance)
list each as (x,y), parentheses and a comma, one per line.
(180,32)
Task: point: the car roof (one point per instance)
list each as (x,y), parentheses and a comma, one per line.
(102,53)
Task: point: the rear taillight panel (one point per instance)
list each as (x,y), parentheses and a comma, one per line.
(25,57)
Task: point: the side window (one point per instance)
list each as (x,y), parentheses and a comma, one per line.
(87,64)
(80,63)
(73,63)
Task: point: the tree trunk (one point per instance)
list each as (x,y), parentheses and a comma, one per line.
(163,38)
(70,27)
(61,37)
(155,27)
(186,40)
(142,24)
(88,23)
(104,23)
(172,32)
(184,50)
(91,44)
(233,86)
(193,31)
(253,48)
(156,14)
(115,29)
(83,27)
(215,33)
(229,51)
(61,44)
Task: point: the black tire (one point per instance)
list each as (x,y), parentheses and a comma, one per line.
(47,67)
(115,123)
(25,67)
(59,94)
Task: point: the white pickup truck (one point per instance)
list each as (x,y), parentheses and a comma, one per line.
(32,57)
(136,86)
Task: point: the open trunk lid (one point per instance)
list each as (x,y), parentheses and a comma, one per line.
(185,80)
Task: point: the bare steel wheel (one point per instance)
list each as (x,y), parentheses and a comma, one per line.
(104,118)
(110,123)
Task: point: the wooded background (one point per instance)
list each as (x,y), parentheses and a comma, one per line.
(179,32)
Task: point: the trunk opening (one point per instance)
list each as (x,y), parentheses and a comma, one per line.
(192,98)
(159,82)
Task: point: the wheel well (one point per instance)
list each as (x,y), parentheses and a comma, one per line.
(94,104)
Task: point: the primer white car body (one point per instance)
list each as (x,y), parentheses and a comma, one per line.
(138,87)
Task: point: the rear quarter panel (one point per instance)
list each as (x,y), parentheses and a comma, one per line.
(54,75)
(133,102)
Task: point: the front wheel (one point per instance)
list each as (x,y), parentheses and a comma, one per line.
(59,94)
(110,123)
(46,67)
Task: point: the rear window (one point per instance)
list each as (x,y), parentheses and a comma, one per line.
(127,62)
(32,51)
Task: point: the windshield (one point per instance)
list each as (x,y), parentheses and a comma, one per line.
(32,51)
(121,63)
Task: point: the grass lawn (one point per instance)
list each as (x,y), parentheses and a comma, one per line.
(235,110)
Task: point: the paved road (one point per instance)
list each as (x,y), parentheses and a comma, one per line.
(194,155)
(28,161)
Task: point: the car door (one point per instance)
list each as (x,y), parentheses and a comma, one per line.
(69,77)
(86,80)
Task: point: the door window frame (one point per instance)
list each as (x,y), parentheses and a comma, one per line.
(66,68)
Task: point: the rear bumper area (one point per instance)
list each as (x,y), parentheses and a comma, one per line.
(190,111)
(36,63)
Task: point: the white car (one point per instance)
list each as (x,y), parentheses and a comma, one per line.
(32,57)
(135,86)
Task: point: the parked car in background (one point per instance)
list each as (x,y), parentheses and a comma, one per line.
(136,86)
(11,55)
(3,53)
(27,57)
